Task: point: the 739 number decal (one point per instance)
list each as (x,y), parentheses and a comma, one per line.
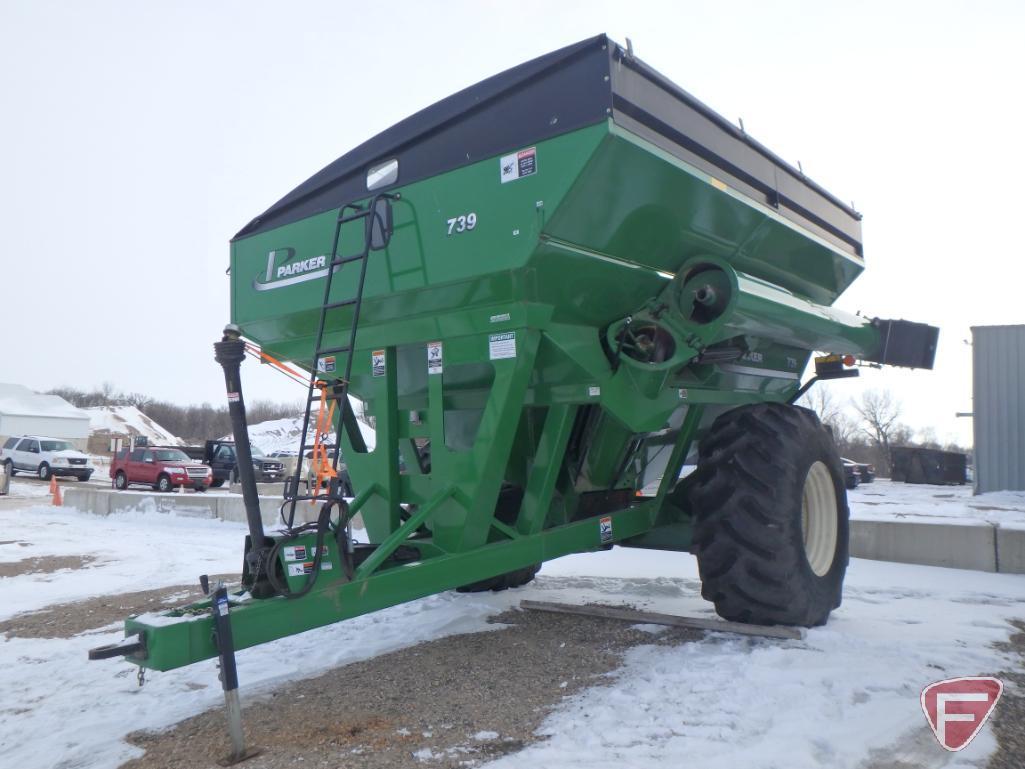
(462,223)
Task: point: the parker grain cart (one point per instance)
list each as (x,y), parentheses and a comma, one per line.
(544,293)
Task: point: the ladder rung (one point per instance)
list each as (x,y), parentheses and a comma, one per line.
(336,305)
(330,396)
(330,350)
(346,260)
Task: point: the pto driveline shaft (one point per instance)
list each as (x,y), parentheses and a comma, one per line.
(230,352)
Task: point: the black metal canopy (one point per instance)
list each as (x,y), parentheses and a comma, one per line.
(573,87)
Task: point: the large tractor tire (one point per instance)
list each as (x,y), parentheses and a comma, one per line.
(771,516)
(516,578)
(509,499)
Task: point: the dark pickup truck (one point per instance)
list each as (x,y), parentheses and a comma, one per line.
(220,455)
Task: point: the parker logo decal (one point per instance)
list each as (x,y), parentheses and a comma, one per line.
(957,708)
(284,269)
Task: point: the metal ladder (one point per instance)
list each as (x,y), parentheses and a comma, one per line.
(369,215)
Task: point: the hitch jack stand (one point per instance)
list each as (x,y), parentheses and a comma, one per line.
(229,679)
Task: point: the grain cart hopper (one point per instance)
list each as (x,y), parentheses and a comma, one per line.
(544,292)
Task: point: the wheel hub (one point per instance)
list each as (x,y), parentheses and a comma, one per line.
(818,519)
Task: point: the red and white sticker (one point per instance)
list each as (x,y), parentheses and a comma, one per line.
(233,397)
(957,708)
(301,552)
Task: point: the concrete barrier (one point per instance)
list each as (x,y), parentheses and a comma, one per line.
(1011,550)
(227,507)
(980,546)
(955,546)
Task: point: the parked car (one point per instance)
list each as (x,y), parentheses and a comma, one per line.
(162,468)
(288,458)
(45,457)
(307,474)
(851,474)
(220,455)
(866,472)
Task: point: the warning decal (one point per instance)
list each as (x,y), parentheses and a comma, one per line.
(327,364)
(233,397)
(518,165)
(502,345)
(298,569)
(377,362)
(302,552)
(434,356)
(605,529)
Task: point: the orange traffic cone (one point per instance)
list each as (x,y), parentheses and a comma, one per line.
(58,501)
(53,484)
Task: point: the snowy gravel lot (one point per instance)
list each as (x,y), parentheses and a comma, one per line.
(847,696)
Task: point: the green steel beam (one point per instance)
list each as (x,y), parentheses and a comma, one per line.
(173,643)
(547,464)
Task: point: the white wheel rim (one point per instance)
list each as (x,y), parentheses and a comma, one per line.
(818,519)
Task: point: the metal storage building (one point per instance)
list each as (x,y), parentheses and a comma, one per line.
(24,412)
(998,368)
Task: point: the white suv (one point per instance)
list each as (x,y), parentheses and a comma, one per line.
(44,457)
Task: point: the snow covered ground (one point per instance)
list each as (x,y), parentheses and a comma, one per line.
(885,500)
(28,489)
(845,695)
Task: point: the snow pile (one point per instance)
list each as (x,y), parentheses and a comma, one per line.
(128,420)
(920,503)
(283,434)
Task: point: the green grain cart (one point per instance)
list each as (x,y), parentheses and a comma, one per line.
(549,292)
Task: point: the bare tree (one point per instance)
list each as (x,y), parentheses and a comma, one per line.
(832,413)
(926,437)
(880,415)
(820,400)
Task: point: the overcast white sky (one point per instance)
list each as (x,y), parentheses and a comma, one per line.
(137,137)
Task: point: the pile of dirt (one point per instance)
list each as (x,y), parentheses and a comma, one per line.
(44,564)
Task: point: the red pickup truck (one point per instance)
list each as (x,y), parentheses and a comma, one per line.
(162,468)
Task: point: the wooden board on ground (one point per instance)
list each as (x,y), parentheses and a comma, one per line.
(647,617)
